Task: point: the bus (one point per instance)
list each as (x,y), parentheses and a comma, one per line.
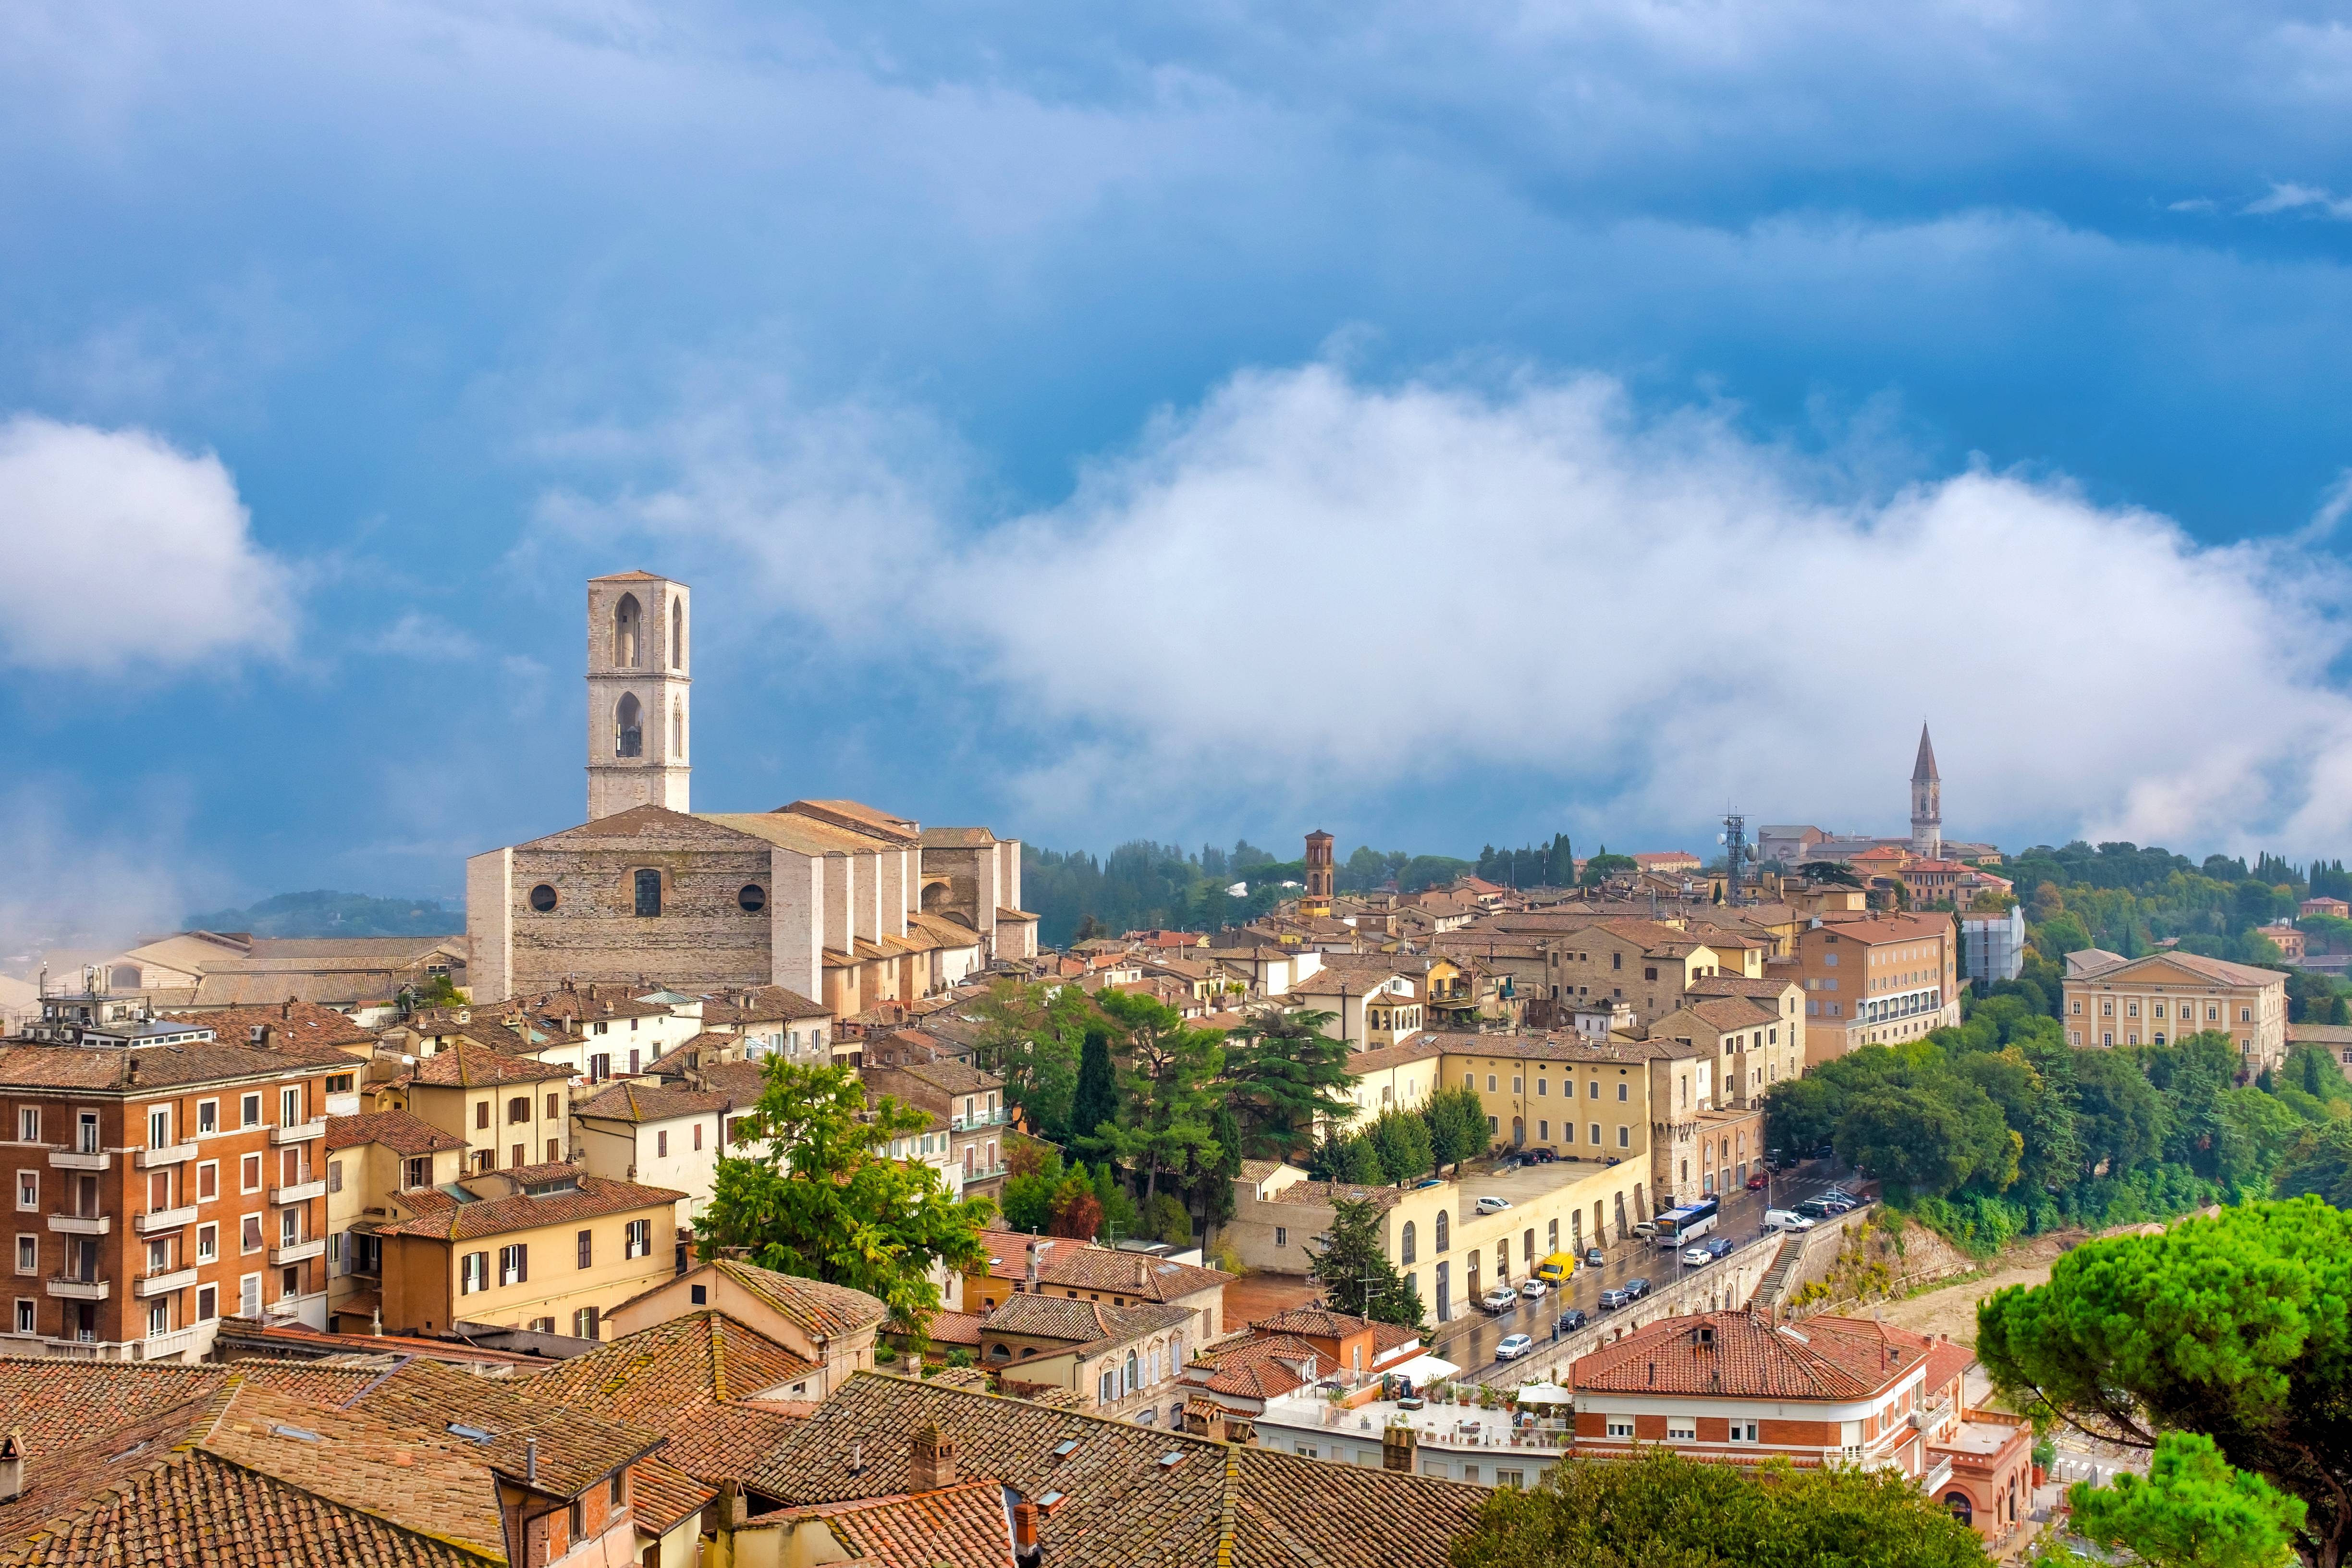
(1681,1226)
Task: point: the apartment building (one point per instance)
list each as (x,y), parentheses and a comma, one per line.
(1754,1045)
(973,1102)
(512,1110)
(1646,964)
(2110,1000)
(1876,979)
(163,1179)
(369,1158)
(539,1246)
(651,1131)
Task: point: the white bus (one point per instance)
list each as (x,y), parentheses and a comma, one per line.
(1681,1226)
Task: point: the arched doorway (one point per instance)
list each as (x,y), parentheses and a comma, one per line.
(628,627)
(1962,1509)
(1518,1132)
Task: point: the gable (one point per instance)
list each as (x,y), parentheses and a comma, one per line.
(648,828)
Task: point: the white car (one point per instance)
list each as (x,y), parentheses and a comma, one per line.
(1786,1219)
(1693,1256)
(1492,1205)
(1532,1289)
(1513,1347)
(1501,1298)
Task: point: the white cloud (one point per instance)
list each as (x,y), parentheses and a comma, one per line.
(2314,199)
(74,886)
(124,550)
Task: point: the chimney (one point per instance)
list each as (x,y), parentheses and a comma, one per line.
(531,1460)
(286,1008)
(932,1463)
(1396,1446)
(12,1466)
(856,1466)
(1026,1550)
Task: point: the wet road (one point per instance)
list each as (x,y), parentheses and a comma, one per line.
(1469,1340)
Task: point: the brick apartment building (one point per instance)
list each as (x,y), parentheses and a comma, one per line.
(162,1179)
(1874,979)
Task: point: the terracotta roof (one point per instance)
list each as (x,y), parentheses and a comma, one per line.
(1878,929)
(445,1218)
(1320,1194)
(956,837)
(1057,1318)
(139,1068)
(1130,1494)
(2218,971)
(1414,1047)
(1726,1012)
(592,1002)
(1079,1266)
(398,1131)
(1561,1047)
(306,1022)
(685,1378)
(664,1497)
(54,1402)
(1259,1170)
(1753,1358)
(1259,1368)
(1328,1324)
(1771,986)
(462,1064)
(960,1526)
(759,1004)
(568,1451)
(953,1329)
(824,1309)
(857,814)
(629,1101)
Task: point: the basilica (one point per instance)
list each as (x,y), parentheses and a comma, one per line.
(841,903)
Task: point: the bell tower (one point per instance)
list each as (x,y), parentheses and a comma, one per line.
(639,628)
(1926,802)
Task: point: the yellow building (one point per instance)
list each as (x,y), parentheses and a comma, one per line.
(1754,1045)
(370,1158)
(1646,963)
(2110,1000)
(541,1247)
(510,1111)
(1876,979)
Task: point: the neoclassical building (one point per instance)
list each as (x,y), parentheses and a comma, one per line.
(839,901)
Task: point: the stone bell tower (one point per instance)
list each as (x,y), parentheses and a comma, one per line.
(639,628)
(1926,802)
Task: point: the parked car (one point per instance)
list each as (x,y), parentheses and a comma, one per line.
(1570,1320)
(1614,1296)
(1826,1152)
(1646,1227)
(1818,1208)
(1501,1298)
(1491,1205)
(1557,1268)
(1718,1245)
(1759,1181)
(1543,1156)
(1786,1219)
(1839,1205)
(1594,1257)
(1532,1289)
(1514,1346)
(1694,1255)
(1843,1196)
(1637,1287)
(1432,1181)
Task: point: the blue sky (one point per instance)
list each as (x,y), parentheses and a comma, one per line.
(1440,424)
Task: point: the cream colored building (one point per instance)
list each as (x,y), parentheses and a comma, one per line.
(1755,1045)
(831,1326)
(2156,1000)
(370,1158)
(510,1111)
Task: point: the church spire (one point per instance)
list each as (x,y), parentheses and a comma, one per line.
(1924,770)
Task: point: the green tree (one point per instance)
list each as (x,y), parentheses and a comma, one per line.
(2118,1115)
(2235,1327)
(1168,1090)
(1931,1141)
(1359,1162)
(2320,1164)
(1659,1510)
(1401,1141)
(1457,1125)
(1031,1035)
(1165,1220)
(1357,1277)
(2193,1510)
(813,1194)
(1094,1099)
(1285,1076)
(1076,1211)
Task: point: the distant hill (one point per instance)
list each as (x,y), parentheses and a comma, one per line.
(336,914)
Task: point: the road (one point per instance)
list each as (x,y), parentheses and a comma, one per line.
(1469,1340)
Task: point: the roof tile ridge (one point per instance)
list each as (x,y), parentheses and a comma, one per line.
(718,1370)
(1227,1505)
(486,1551)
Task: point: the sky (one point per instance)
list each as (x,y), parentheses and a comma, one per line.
(1441,424)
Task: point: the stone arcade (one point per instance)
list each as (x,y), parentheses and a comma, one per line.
(834,899)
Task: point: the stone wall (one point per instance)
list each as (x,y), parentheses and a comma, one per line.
(1719,1287)
(702,937)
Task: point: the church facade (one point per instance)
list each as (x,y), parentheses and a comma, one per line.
(838,902)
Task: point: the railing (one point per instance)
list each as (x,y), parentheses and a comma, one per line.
(298,1131)
(69,1287)
(156,1220)
(296,1251)
(988,1175)
(80,1159)
(1938,1476)
(977,1120)
(164,1281)
(310,1184)
(81,1223)
(167,1155)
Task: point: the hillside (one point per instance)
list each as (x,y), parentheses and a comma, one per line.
(325,914)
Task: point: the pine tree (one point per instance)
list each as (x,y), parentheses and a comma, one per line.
(1355,1273)
(1096,1099)
(1285,1076)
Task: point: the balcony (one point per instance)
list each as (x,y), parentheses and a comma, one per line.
(296,1251)
(65,1289)
(978,1119)
(81,1223)
(155,1220)
(300,1192)
(169,1154)
(299,1132)
(80,1159)
(1938,1476)
(166,1281)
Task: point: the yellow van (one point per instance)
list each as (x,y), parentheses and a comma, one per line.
(1556,1269)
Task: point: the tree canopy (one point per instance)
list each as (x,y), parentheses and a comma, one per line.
(1285,1075)
(812,1190)
(1349,1263)
(1659,1510)
(2191,1511)
(2238,1327)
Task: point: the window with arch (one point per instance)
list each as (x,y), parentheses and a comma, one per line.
(677,634)
(629,727)
(678,731)
(648,892)
(628,627)
(1133,1383)
(1445,1229)
(1407,1243)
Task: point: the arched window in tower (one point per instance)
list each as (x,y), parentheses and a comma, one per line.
(677,732)
(628,625)
(629,721)
(677,634)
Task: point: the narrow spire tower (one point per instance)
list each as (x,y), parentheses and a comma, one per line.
(1926,802)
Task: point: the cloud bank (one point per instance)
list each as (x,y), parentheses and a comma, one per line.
(1312,585)
(126,551)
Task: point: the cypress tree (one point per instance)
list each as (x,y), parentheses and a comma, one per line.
(1096,1099)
